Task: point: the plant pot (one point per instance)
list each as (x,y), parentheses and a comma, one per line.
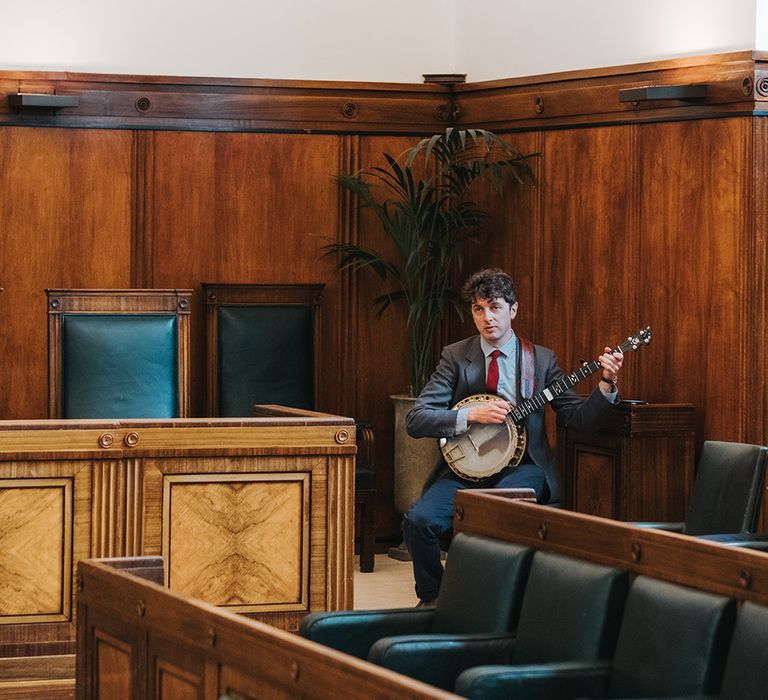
(414,458)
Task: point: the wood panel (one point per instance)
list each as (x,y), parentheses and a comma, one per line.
(181,647)
(226,503)
(736,572)
(246,208)
(238,541)
(691,272)
(586,295)
(65,213)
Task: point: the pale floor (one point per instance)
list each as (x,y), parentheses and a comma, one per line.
(389,585)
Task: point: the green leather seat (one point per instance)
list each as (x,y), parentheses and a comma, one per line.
(571,611)
(477,608)
(265,356)
(672,642)
(119,366)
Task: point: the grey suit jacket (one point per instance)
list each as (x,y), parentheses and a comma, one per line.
(461,373)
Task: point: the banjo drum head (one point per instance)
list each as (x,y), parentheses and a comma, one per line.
(485,449)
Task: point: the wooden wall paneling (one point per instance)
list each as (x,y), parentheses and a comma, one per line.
(249,208)
(142,202)
(512,238)
(693,268)
(754,365)
(753,374)
(65,214)
(347,307)
(382,355)
(586,243)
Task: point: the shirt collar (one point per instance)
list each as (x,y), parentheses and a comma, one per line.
(508,349)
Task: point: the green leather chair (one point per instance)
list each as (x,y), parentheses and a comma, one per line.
(672,642)
(477,608)
(571,611)
(727,492)
(118,353)
(263,346)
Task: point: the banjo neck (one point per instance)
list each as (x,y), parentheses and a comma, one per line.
(520,412)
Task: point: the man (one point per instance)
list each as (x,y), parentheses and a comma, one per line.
(470,367)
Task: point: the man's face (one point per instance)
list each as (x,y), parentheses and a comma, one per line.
(493,319)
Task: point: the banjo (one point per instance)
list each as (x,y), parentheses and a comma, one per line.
(486,448)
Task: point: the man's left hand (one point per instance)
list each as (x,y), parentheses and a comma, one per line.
(611,362)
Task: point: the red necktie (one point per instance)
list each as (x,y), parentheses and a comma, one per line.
(492,381)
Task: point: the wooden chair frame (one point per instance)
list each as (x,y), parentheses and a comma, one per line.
(116,301)
(221,294)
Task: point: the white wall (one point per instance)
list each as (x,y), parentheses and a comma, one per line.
(369,40)
(509,38)
(391,40)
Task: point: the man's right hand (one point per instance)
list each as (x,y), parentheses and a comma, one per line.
(491,412)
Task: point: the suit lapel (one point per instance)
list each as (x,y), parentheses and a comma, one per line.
(474,370)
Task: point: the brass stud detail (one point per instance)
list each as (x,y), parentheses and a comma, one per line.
(295,671)
(762,86)
(745,579)
(746,86)
(342,436)
(106,440)
(442,113)
(55,303)
(542,531)
(131,439)
(459,512)
(183,303)
(350,110)
(141,608)
(539,104)
(143,104)
(636,552)
(211,296)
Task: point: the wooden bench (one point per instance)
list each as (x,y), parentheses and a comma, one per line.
(137,639)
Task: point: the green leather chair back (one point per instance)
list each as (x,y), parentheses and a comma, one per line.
(119,366)
(673,641)
(265,356)
(571,611)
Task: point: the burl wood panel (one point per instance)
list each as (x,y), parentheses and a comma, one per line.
(36,522)
(243,543)
(226,503)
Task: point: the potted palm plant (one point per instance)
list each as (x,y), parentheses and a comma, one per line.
(422,202)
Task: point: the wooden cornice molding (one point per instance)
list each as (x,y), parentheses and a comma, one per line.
(736,84)
(219,104)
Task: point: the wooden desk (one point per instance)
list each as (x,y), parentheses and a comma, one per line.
(254,515)
(640,468)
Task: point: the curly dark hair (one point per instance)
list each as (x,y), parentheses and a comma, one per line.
(491,283)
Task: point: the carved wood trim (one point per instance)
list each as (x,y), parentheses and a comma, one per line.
(221,104)
(348,232)
(737,84)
